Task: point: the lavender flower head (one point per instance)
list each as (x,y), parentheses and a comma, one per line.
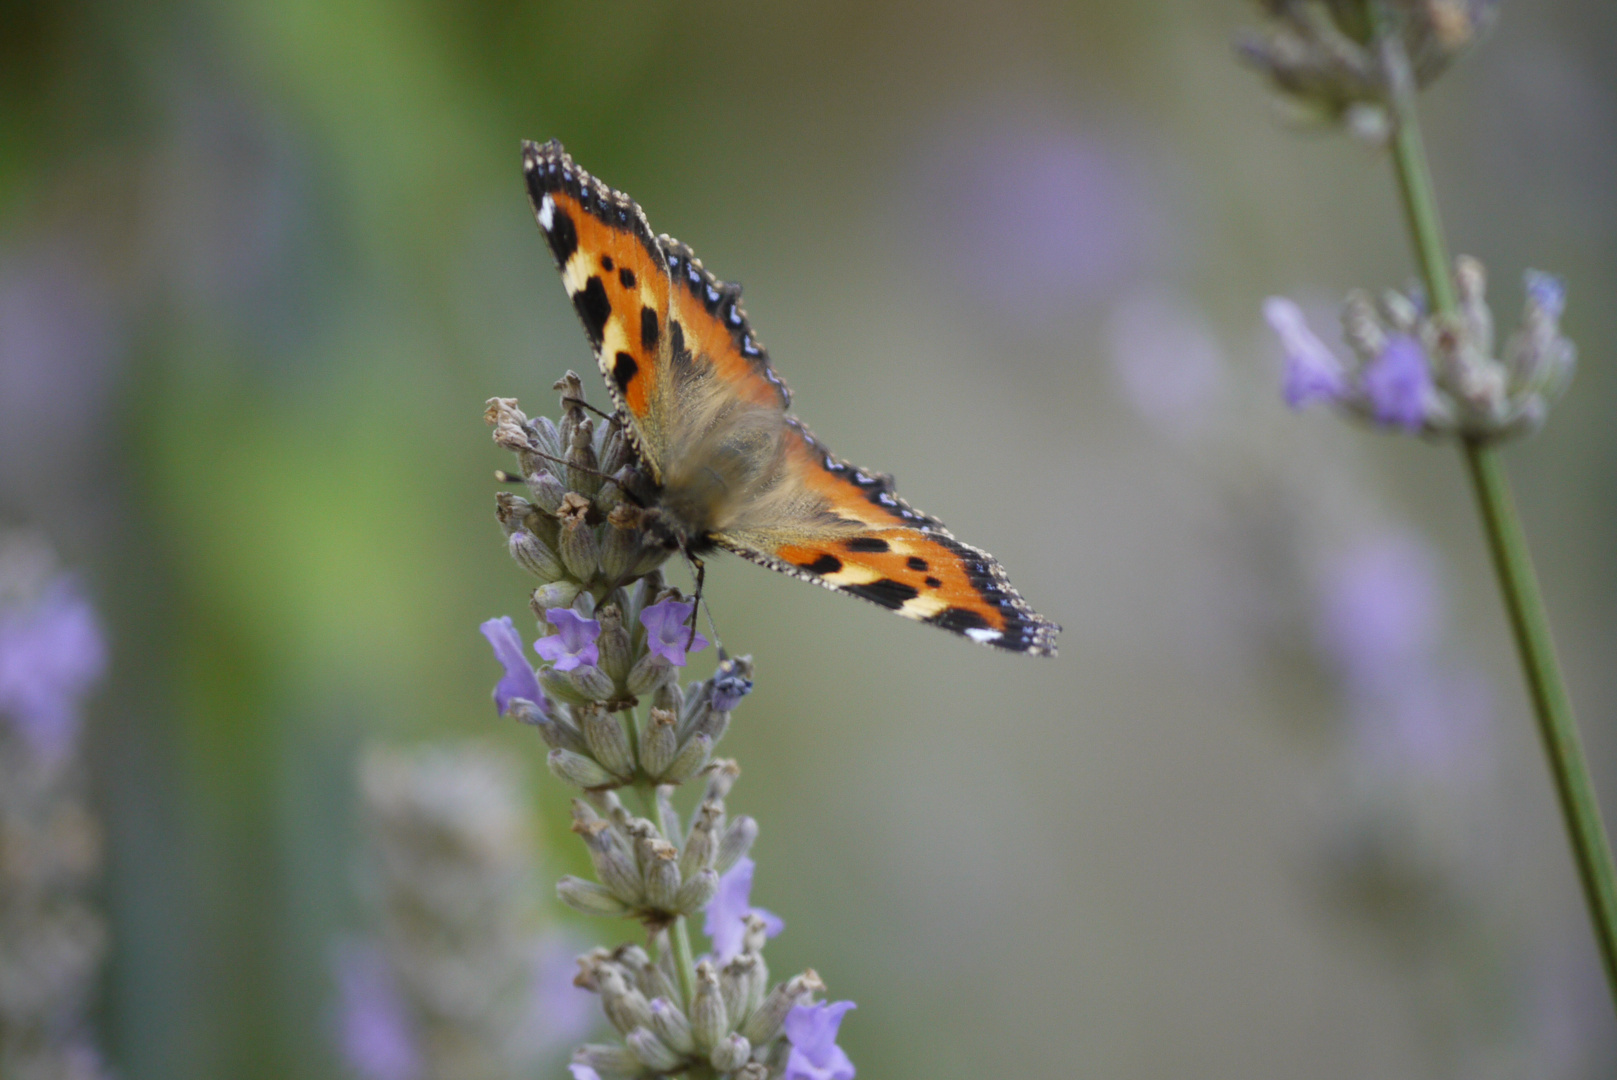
(519,680)
(725,922)
(668,630)
(573,644)
(376,1037)
(51,652)
(812,1031)
(1312,372)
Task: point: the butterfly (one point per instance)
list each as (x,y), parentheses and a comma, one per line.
(730,467)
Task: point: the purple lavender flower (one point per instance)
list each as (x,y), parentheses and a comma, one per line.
(581,1071)
(563,1012)
(1312,371)
(573,644)
(725,921)
(812,1031)
(376,1037)
(667,632)
(519,680)
(1381,610)
(1546,292)
(728,687)
(1398,383)
(50,654)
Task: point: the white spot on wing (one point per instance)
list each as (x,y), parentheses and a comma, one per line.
(923,607)
(547,212)
(576,274)
(983,634)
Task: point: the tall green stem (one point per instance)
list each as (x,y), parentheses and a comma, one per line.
(1506,542)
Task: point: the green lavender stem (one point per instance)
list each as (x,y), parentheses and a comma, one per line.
(1506,542)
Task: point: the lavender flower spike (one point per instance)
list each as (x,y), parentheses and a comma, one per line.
(519,680)
(1312,371)
(377,1040)
(1398,384)
(51,652)
(812,1031)
(573,644)
(726,921)
(667,631)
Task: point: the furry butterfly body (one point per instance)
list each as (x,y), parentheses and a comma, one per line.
(729,466)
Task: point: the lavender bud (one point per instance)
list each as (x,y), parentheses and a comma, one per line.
(544,437)
(711,723)
(535,557)
(625,1006)
(512,511)
(616,451)
(766,1020)
(554,727)
(557,685)
(651,1051)
(721,777)
(556,594)
(648,673)
(753,1070)
(734,979)
(662,876)
(694,895)
(620,547)
(571,388)
(608,1059)
(613,643)
(583,470)
(691,757)
(547,491)
(657,742)
(578,770)
(579,551)
(736,842)
(614,864)
(731,1054)
(701,845)
(709,1023)
(731,682)
(588,898)
(592,683)
(603,733)
(671,1025)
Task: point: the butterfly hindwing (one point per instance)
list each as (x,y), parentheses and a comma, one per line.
(868,542)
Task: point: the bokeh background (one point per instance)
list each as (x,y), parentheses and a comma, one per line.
(1277,809)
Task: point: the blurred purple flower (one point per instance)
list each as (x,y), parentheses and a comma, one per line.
(812,1031)
(1546,292)
(1312,372)
(724,923)
(519,680)
(1381,610)
(51,652)
(563,1012)
(581,1071)
(573,643)
(1167,361)
(60,341)
(1398,383)
(1033,215)
(667,632)
(377,1040)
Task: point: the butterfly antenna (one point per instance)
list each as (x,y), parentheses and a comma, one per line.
(506,477)
(581,403)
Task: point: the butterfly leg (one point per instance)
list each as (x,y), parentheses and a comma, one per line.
(699,569)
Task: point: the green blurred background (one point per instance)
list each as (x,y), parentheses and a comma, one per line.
(261,264)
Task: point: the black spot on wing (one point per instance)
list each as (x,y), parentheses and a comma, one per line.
(626,278)
(886,592)
(623,370)
(959,620)
(915,562)
(562,236)
(867,543)
(933,583)
(607,263)
(825,564)
(648,329)
(594,308)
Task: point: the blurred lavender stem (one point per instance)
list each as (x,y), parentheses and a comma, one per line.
(1506,542)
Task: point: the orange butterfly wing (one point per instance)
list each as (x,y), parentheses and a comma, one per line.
(822,520)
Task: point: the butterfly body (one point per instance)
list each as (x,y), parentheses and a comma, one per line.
(728,466)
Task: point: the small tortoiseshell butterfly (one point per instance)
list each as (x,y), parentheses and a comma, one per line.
(731,468)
